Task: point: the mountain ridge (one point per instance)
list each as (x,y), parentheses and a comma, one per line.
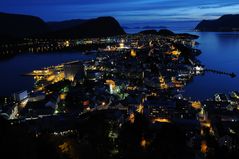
(97,27)
(24,26)
(19,25)
(225,23)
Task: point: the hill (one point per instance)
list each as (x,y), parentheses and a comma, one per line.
(15,26)
(56,26)
(226,23)
(99,27)
(19,26)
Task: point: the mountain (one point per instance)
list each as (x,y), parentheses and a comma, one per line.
(56,26)
(15,26)
(226,23)
(19,26)
(99,27)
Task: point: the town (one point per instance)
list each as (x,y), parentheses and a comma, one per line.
(132,79)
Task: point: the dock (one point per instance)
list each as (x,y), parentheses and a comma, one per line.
(232,75)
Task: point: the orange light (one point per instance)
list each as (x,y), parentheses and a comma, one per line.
(133,53)
(140,109)
(63,96)
(204,147)
(111,82)
(196,104)
(143,142)
(161,120)
(208,125)
(131,118)
(176,53)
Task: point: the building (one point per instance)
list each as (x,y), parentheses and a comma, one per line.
(20,96)
(221,97)
(36,96)
(72,68)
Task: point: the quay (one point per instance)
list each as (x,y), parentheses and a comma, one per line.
(221,72)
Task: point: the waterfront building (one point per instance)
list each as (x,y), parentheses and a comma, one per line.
(37,96)
(72,68)
(20,96)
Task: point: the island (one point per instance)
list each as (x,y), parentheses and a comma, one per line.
(166,32)
(226,23)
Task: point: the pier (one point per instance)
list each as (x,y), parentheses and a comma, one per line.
(221,72)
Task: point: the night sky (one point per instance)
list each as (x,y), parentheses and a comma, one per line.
(126,11)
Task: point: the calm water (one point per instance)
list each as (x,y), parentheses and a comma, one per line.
(220,51)
(12,69)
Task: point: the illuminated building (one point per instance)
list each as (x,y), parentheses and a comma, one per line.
(122,44)
(37,96)
(204,147)
(176,52)
(132,118)
(161,120)
(71,69)
(67,43)
(235,94)
(20,96)
(196,104)
(133,53)
(112,85)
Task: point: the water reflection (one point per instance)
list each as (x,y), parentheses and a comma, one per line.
(12,69)
(220,51)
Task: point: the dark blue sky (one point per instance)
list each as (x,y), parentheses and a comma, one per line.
(126,11)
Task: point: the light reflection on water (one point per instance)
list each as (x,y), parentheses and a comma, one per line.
(220,51)
(13,69)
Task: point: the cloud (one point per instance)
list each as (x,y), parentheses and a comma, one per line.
(124,10)
(218,6)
